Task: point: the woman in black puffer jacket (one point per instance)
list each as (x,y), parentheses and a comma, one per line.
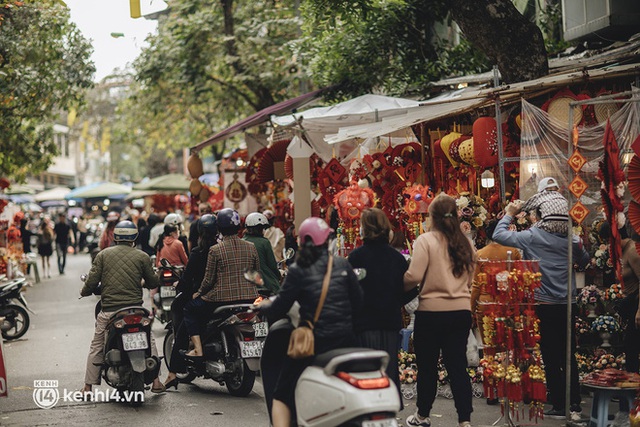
(334,328)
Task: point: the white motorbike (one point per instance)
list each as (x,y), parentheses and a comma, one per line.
(343,387)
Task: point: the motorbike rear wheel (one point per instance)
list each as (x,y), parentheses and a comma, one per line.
(137,385)
(240,382)
(167,348)
(19,319)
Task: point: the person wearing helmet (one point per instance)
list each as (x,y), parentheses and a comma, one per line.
(187,286)
(174,220)
(256,223)
(304,282)
(194,234)
(274,234)
(223,281)
(120,270)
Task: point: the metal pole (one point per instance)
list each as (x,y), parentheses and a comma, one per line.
(496,82)
(569,323)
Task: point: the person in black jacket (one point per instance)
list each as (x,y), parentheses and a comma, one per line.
(189,285)
(378,324)
(334,328)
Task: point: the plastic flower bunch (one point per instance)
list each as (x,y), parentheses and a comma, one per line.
(585,365)
(589,295)
(605,323)
(605,361)
(471,211)
(621,360)
(405,359)
(614,292)
(475,374)
(601,258)
(521,222)
(408,375)
(582,326)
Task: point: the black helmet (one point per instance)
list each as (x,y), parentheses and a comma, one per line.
(125,231)
(207,223)
(228,221)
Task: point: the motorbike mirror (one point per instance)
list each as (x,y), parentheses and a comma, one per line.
(83,277)
(288,253)
(165,263)
(254,277)
(333,247)
(361,273)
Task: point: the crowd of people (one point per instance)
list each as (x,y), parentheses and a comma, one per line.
(439,278)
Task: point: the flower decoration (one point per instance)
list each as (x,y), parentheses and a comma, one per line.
(589,295)
(585,365)
(471,211)
(407,367)
(601,258)
(582,326)
(614,292)
(605,323)
(605,361)
(521,221)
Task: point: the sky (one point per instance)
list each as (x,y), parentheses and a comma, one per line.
(97,19)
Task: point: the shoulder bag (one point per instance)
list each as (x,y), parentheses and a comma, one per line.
(301,343)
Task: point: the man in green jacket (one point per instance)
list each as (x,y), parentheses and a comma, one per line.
(120,270)
(256,223)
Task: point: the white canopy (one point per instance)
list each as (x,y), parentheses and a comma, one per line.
(56,193)
(365,109)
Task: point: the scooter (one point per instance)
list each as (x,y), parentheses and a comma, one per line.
(232,345)
(343,387)
(128,364)
(14,319)
(169,277)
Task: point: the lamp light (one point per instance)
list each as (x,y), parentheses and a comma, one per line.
(487,179)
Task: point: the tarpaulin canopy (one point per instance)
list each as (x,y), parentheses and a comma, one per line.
(56,193)
(321,121)
(99,190)
(259,118)
(170,183)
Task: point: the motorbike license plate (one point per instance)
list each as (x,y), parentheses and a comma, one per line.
(261,329)
(388,422)
(167,292)
(135,341)
(249,349)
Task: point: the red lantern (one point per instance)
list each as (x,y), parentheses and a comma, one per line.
(485,138)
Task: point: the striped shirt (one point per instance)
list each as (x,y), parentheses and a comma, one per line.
(224,276)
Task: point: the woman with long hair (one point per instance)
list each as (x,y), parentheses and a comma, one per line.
(188,285)
(334,328)
(442,266)
(377,325)
(45,246)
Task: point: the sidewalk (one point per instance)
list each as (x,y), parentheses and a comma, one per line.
(443,414)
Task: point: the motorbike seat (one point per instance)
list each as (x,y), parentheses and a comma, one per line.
(232,309)
(13,284)
(353,359)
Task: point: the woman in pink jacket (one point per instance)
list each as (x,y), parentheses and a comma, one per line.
(442,265)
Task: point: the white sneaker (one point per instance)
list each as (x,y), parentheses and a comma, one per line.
(416,420)
(464,424)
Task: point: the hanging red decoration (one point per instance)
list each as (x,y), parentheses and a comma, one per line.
(485,142)
(350,203)
(612,189)
(274,154)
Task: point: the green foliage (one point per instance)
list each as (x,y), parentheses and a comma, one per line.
(387,46)
(211,64)
(44,68)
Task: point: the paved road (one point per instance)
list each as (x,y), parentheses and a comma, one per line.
(56,346)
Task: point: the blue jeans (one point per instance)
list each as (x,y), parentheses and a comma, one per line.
(61,252)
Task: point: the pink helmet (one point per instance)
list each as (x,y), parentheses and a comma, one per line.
(316,229)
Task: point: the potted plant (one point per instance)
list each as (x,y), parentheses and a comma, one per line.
(605,325)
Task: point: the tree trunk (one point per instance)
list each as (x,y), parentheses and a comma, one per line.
(504,35)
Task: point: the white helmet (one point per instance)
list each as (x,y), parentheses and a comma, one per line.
(173,219)
(256,219)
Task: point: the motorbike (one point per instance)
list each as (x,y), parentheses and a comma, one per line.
(128,363)
(342,387)
(162,300)
(14,316)
(232,345)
